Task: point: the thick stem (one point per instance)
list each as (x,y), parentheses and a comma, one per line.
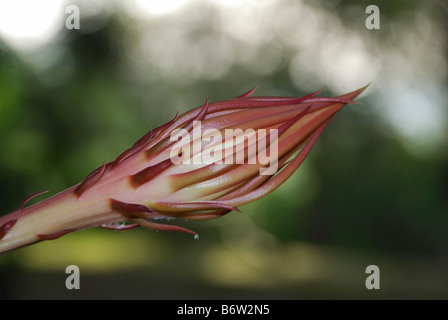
(52,218)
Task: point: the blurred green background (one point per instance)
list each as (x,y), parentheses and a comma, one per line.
(374,190)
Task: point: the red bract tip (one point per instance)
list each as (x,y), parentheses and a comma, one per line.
(32,196)
(130,210)
(90,180)
(248,93)
(54,235)
(149,173)
(4,228)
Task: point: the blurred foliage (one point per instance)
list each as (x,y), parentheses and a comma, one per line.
(364,196)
